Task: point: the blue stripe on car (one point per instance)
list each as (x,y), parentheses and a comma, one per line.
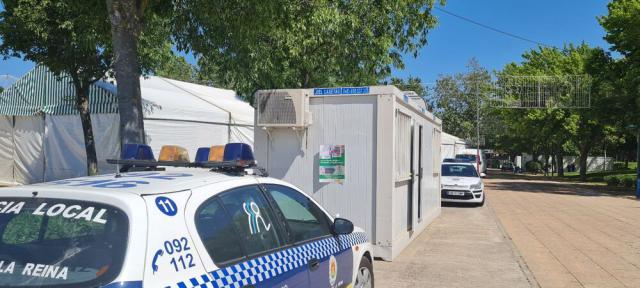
(263,270)
(124,284)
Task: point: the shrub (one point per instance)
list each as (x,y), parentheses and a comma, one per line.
(533,166)
(628,181)
(613,181)
(619,166)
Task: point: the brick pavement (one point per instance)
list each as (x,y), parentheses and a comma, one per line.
(569,235)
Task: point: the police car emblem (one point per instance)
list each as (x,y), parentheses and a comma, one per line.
(333,270)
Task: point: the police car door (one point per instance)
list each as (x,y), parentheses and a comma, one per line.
(171,256)
(240,240)
(329,261)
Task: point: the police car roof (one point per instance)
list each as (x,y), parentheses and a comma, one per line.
(139,183)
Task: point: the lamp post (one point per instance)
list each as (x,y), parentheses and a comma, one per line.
(637,163)
(636,128)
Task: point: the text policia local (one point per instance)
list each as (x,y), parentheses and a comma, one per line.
(70,211)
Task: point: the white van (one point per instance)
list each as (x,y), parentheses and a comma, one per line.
(469,155)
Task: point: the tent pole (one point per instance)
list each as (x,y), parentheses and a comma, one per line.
(13,137)
(229,129)
(44,155)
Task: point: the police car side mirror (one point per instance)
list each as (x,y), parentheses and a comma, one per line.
(342,226)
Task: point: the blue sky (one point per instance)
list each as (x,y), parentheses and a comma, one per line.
(455,41)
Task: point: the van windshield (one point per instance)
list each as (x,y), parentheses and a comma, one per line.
(466,158)
(47,242)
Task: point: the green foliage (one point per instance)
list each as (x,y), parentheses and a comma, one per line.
(563,131)
(26,227)
(533,166)
(410,84)
(22,229)
(621,24)
(174,66)
(628,182)
(251,45)
(619,166)
(1,89)
(457,99)
(71,36)
(613,180)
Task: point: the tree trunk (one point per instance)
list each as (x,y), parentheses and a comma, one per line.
(82,104)
(560,160)
(126,23)
(583,165)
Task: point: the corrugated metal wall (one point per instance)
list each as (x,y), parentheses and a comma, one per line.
(336,120)
(292,155)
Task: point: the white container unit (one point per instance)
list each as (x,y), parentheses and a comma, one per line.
(390,147)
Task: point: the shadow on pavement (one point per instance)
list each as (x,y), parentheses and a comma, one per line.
(502,181)
(459,205)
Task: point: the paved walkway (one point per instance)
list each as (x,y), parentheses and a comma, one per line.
(464,247)
(569,235)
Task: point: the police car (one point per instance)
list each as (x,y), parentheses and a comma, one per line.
(219,225)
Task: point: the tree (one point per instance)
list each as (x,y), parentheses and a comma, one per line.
(410,84)
(1,89)
(69,37)
(175,66)
(457,99)
(552,131)
(621,24)
(126,24)
(251,45)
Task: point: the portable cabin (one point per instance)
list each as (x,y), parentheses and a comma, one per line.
(369,154)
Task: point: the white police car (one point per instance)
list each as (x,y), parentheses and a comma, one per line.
(187,227)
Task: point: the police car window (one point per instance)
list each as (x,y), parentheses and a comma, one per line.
(60,243)
(217,232)
(305,219)
(253,218)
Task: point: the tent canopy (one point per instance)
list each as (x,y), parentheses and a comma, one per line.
(41,92)
(41,134)
(451,145)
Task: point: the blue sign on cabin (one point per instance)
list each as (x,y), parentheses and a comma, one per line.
(341,91)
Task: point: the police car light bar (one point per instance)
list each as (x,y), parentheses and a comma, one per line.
(236,158)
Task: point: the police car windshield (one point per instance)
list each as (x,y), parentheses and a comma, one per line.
(458,170)
(48,242)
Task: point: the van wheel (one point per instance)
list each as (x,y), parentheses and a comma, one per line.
(364,277)
(483,199)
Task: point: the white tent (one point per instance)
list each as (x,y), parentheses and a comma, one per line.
(41,134)
(451,145)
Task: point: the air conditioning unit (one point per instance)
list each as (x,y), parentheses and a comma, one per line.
(283,108)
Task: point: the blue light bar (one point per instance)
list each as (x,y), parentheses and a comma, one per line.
(202,155)
(137,152)
(238,152)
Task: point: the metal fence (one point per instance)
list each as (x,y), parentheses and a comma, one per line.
(565,91)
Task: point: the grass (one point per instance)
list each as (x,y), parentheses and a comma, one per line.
(600,177)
